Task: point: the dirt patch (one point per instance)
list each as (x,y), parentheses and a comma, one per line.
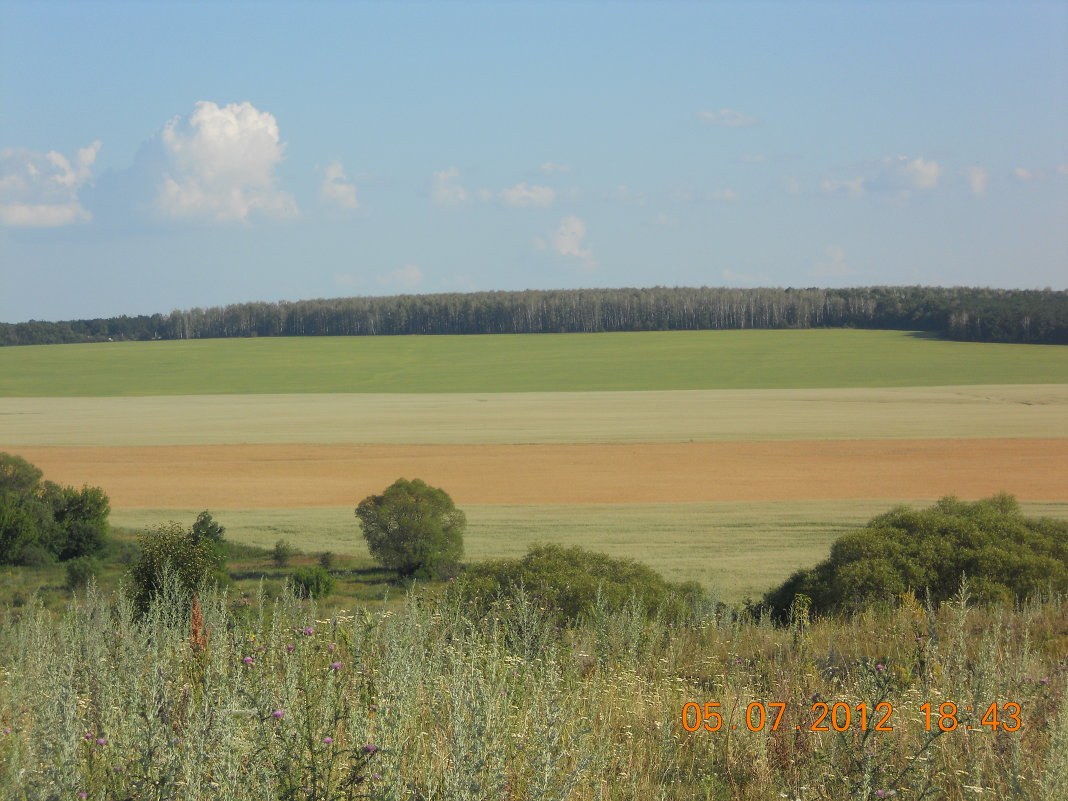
(254,476)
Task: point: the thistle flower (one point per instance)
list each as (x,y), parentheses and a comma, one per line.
(278,714)
(328,740)
(336,666)
(248,660)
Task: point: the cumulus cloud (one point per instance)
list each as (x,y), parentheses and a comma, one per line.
(523,195)
(834,265)
(447,190)
(898,175)
(977,178)
(409,276)
(1023,174)
(568,238)
(41,189)
(727,118)
(337,188)
(220,165)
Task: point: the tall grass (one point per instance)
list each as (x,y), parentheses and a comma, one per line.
(277,699)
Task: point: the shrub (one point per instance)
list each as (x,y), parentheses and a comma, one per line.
(207,528)
(35,556)
(312,582)
(413,528)
(80,570)
(571,582)
(327,559)
(282,552)
(1004,555)
(170,550)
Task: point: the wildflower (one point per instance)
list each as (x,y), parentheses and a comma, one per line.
(101,741)
(331,646)
(880,667)
(328,740)
(279,714)
(1043,681)
(198,634)
(248,660)
(309,631)
(8,731)
(335,666)
(370,749)
(83,795)
(289,648)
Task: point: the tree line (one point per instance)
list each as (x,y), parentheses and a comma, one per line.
(962,313)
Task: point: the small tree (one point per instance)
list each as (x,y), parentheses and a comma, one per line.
(413,528)
(281,553)
(206,527)
(172,549)
(312,582)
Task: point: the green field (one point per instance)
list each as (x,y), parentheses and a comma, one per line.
(674,360)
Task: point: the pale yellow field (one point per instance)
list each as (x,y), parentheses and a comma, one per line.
(737,549)
(1011,411)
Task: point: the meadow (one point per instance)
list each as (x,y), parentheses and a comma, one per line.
(668,360)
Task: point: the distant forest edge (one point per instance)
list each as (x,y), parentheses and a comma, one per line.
(961,313)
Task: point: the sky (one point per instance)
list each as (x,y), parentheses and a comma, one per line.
(167,155)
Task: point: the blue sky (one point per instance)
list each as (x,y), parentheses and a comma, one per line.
(175,154)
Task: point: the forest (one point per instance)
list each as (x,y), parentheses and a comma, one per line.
(960,313)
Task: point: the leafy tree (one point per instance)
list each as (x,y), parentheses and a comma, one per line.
(312,582)
(18,476)
(1004,555)
(282,552)
(207,528)
(80,571)
(413,528)
(171,550)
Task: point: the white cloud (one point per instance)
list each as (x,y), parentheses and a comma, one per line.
(41,189)
(1062,169)
(833,266)
(666,220)
(409,276)
(791,185)
(220,165)
(724,194)
(1024,174)
(977,179)
(551,166)
(567,241)
(337,188)
(446,190)
(853,186)
(727,118)
(523,195)
(744,279)
(922,174)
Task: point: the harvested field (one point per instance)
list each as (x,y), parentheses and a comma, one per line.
(248,476)
(945,412)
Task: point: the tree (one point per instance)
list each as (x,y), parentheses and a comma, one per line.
(171,552)
(312,582)
(18,476)
(413,528)
(207,528)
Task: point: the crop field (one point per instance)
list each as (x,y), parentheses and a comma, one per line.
(728,457)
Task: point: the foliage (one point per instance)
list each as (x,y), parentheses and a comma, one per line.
(206,527)
(38,516)
(1004,556)
(170,552)
(413,528)
(327,559)
(282,552)
(573,582)
(312,582)
(81,570)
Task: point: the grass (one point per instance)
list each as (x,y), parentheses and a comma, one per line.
(523,363)
(736,549)
(421,701)
(1026,410)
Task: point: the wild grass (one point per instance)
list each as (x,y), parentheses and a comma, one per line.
(288,701)
(738,549)
(668,360)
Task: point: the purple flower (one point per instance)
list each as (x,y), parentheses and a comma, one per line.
(101,741)
(289,648)
(336,666)
(279,714)
(8,731)
(1043,681)
(880,667)
(328,740)
(331,646)
(88,736)
(248,660)
(83,795)
(377,776)
(370,749)
(309,631)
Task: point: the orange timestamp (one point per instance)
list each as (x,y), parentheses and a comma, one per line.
(841,716)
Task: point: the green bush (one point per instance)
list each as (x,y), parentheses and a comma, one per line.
(282,552)
(571,582)
(1004,555)
(80,570)
(171,551)
(312,582)
(413,528)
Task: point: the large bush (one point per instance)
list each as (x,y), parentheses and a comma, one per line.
(40,516)
(1004,555)
(572,582)
(312,582)
(171,553)
(413,528)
